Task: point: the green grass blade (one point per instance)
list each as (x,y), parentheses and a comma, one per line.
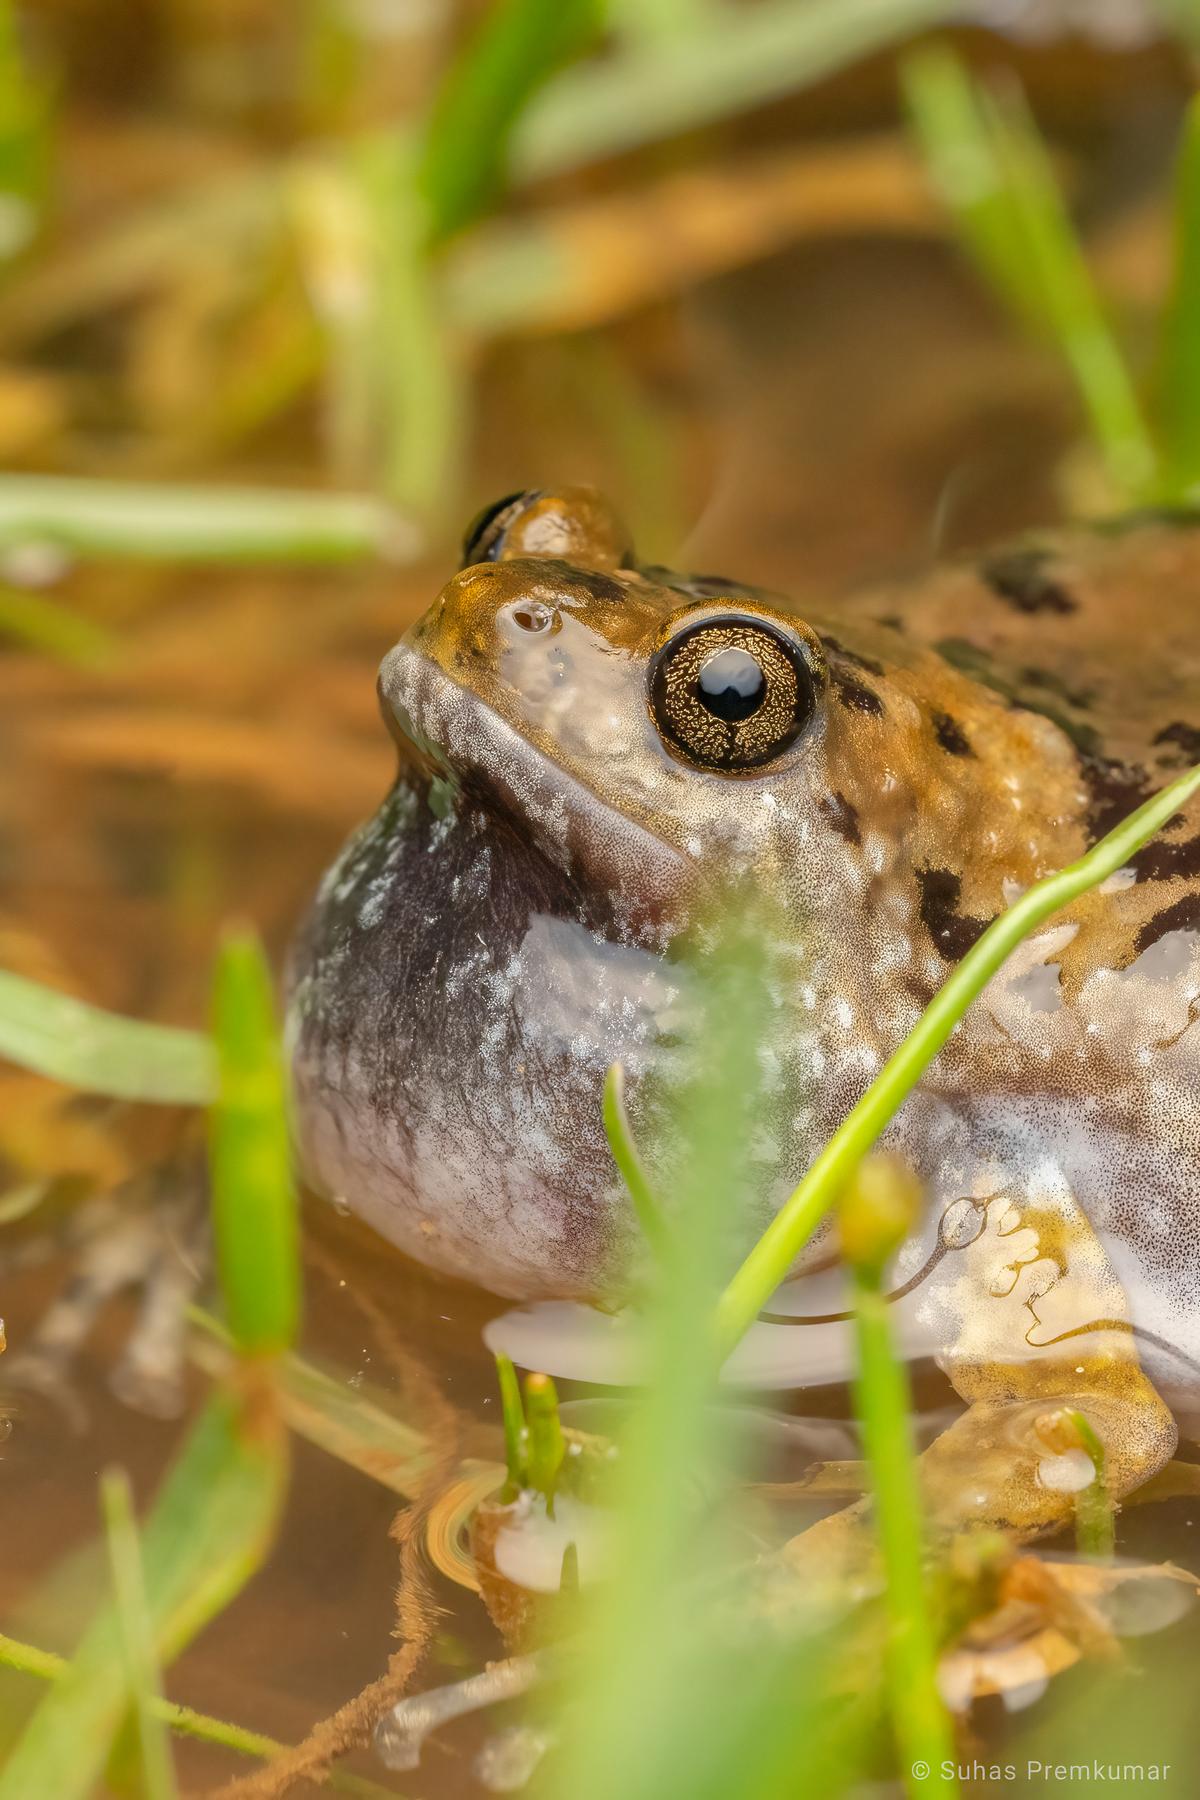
(70,1041)
(40,624)
(629,1163)
(1178,385)
(807,1205)
(26,124)
(46,1665)
(878,1209)
(348,1423)
(547,1446)
(945,110)
(137,1636)
(666,1703)
(518,45)
(513,1414)
(992,168)
(415,366)
(255,1220)
(739,57)
(152,522)
(209,1530)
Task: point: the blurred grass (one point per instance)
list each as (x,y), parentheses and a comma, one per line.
(214,1518)
(1177,386)
(37,623)
(185,1721)
(878,1210)
(676,1694)
(167,522)
(516,104)
(995,176)
(208,1531)
(137,1635)
(27,127)
(728,60)
(254,1207)
(69,1041)
(515,49)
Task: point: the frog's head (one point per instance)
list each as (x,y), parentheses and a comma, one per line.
(588,748)
(650,732)
(634,730)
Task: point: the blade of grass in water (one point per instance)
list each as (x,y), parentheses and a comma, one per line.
(878,1210)
(137,1636)
(214,1518)
(46,1665)
(993,171)
(346,1422)
(253,1195)
(209,1530)
(86,1047)
(806,1206)
(165,522)
(517,46)
(1178,383)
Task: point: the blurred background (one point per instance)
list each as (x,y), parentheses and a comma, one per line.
(817,290)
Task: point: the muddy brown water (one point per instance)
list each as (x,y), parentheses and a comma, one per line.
(845,410)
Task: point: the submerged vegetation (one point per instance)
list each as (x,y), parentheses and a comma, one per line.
(365,249)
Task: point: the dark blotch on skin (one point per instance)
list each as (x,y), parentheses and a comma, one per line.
(852,656)
(599,586)
(838,811)
(1187,737)
(952,932)
(1159,860)
(710,587)
(1021,578)
(854,693)
(1184,915)
(950,735)
(1054,684)
(1115,789)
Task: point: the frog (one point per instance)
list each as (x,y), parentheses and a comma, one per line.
(586,744)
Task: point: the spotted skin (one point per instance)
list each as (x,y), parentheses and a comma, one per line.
(502,930)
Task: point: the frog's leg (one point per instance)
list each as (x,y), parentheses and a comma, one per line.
(149,1235)
(1032,1319)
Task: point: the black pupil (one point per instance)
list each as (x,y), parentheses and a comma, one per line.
(731,685)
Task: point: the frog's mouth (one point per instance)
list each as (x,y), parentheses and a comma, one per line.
(465,752)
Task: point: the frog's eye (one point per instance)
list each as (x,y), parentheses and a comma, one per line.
(570,524)
(484,539)
(731,693)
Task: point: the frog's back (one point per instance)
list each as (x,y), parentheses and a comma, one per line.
(1096,629)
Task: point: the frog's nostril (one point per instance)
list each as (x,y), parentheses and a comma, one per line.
(533,616)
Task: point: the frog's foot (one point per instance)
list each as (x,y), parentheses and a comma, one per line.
(1035,1328)
(148,1235)
(1015,1462)
(1006,1465)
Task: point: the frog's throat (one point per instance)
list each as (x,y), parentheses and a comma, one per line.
(464,744)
